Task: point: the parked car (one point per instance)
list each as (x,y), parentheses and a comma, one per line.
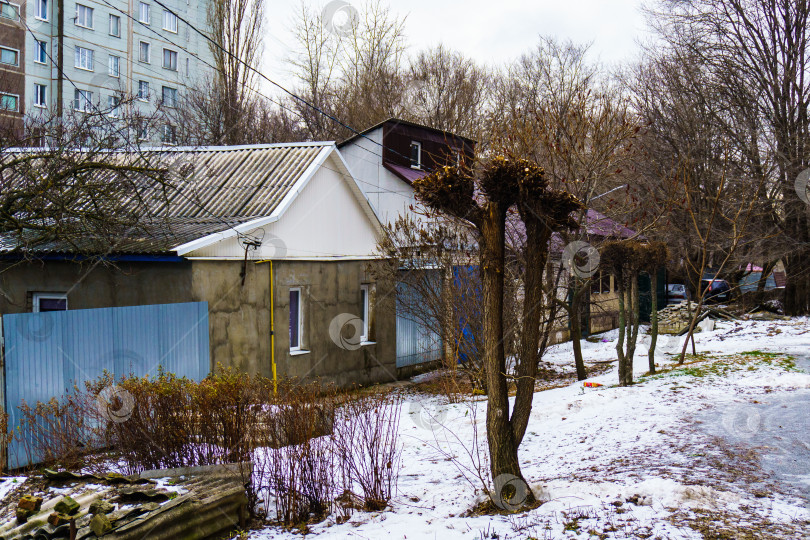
(717,290)
(676,293)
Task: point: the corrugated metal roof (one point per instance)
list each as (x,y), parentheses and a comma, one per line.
(211,189)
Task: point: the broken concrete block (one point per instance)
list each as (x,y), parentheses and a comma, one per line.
(30,502)
(101,507)
(58,518)
(23,514)
(67,506)
(100,524)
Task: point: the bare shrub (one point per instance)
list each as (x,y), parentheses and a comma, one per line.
(367,442)
(56,432)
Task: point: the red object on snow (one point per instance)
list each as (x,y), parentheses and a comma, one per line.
(591,385)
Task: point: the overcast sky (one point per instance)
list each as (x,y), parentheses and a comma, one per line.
(492,32)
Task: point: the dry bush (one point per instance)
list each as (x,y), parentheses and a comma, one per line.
(57,432)
(367,441)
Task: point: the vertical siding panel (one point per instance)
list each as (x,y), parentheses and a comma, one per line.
(47,353)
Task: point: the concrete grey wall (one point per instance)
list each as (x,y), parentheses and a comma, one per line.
(99,286)
(238,315)
(328,290)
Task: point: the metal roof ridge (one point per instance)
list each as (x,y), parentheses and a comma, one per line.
(226,148)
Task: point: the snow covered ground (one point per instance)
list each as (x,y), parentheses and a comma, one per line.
(697,452)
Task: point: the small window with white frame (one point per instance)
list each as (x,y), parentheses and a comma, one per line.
(115,26)
(296,320)
(84,59)
(84,16)
(170,59)
(44,302)
(143,90)
(144,12)
(115,66)
(40,96)
(365,310)
(9,102)
(41,52)
(169,21)
(41,9)
(114,106)
(9,11)
(83,100)
(416,155)
(10,57)
(145,52)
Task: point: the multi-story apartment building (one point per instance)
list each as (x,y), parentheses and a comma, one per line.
(12,66)
(89,55)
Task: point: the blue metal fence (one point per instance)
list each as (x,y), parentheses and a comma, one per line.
(416,344)
(47,353)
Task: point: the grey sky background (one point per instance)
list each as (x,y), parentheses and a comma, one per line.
(492,32)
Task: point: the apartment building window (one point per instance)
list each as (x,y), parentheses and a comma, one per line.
(143,90)
(40,95)
(83,100)
(9,102)
(84,16)
(9,11)
(169,134)
(115,66)
(10,57)
(141,129)
(113,104)
(145,52)
(41,52)
(169,96)
(170,59)
(143,12)
(169,21)
(115,25)
(84,58)
(41,9)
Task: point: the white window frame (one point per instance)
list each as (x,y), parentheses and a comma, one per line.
(44,94)
(365,309)
(148,52)
(48,296)
(88,11)
(168,18)
(163,101)
(83,97)
(116,61)
(170,52)
(16,9)
(418,165)
(41,52)
(114,104)
(16,51)
(118,25)
(298,348)
(17,100)
(82,54)
(148,91)
(41,10)
(144,12)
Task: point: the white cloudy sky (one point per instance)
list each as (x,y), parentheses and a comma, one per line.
(491,31)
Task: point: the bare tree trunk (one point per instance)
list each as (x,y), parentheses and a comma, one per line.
(502,444)
(653,319)
(576,332)
(620,285)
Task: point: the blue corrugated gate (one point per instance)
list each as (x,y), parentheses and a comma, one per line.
(416,344)
(47,353)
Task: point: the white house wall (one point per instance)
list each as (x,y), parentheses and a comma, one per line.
(325,221)
(388,194)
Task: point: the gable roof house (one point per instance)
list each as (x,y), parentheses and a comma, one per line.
(386,158)
(278,240)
